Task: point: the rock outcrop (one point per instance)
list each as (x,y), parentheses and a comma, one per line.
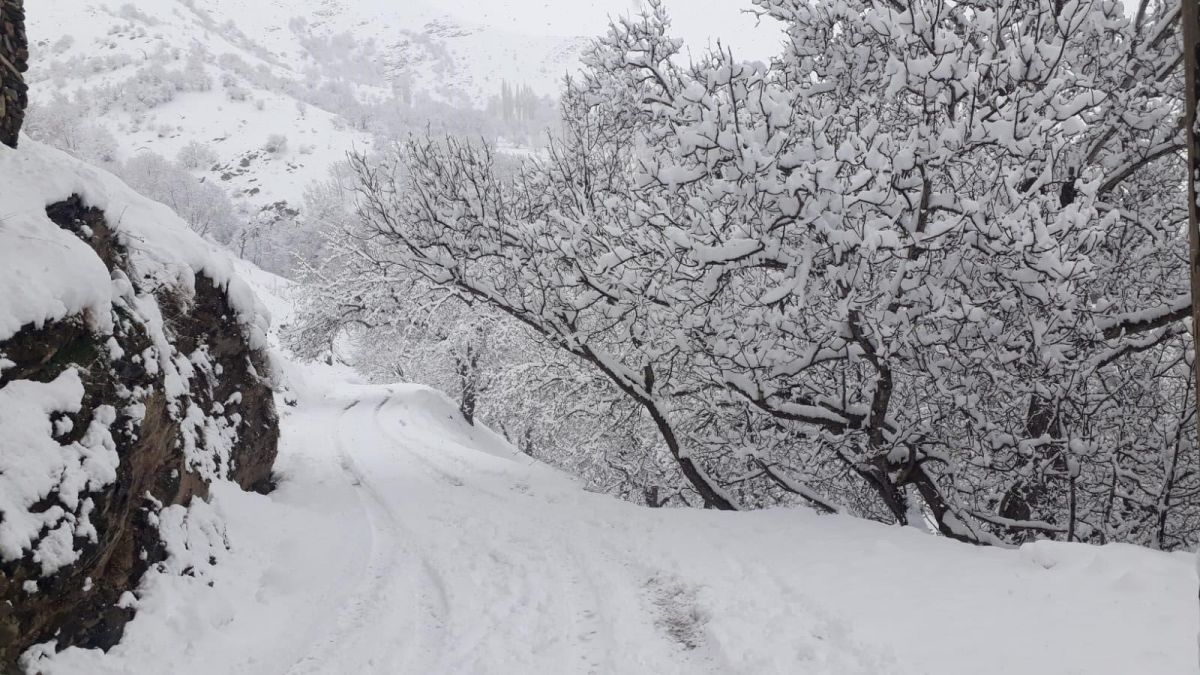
(133,374)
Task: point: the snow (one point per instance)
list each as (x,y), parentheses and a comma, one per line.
(107,48)
(32,464)
(402,540)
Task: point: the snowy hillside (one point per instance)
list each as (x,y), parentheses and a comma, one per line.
(233,114)
(160,74)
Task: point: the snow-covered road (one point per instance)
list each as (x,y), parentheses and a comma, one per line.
(477,560)
(489,596)
(402,540)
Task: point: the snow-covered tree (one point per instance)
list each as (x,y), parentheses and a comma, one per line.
(63,123)
(196,155)
(204,205)
(391,324)
(937,246)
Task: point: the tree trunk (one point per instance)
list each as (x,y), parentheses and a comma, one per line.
(713,498)
(468,376)
(1191,61)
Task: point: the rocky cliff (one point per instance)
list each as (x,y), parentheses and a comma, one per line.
(133,374)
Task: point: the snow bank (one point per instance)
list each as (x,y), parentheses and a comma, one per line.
(48,274)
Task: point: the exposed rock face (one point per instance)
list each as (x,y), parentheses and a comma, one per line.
(171,442)
(14,59)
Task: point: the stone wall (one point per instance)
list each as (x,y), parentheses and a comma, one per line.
(14,60)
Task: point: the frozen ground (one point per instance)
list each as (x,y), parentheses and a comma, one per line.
(401,540)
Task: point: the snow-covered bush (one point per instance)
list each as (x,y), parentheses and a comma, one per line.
(195,75)
(64,124)
(62,45)
(146,88)
(132,13)
(233,87)
(149,88)
(392,324)
(276,144)
(204,205)
(196,155)
(923,267)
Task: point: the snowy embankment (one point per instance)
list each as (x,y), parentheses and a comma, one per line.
(401,540)
(133,374)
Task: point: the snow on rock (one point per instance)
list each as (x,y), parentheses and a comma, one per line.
(133,376)
(32,464)
(49,274)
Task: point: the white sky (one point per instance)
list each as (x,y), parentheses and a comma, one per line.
(696,21)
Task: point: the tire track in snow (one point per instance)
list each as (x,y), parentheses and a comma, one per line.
(578,607)
(434,471)
(423,641)
(362,627)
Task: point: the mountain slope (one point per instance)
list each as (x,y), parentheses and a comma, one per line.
(167,72)
(162,74)
(328,76)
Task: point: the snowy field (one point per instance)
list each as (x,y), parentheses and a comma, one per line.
(401,540)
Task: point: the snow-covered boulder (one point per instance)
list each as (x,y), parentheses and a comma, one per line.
(133,375)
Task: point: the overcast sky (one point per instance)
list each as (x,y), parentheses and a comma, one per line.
(696,21)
